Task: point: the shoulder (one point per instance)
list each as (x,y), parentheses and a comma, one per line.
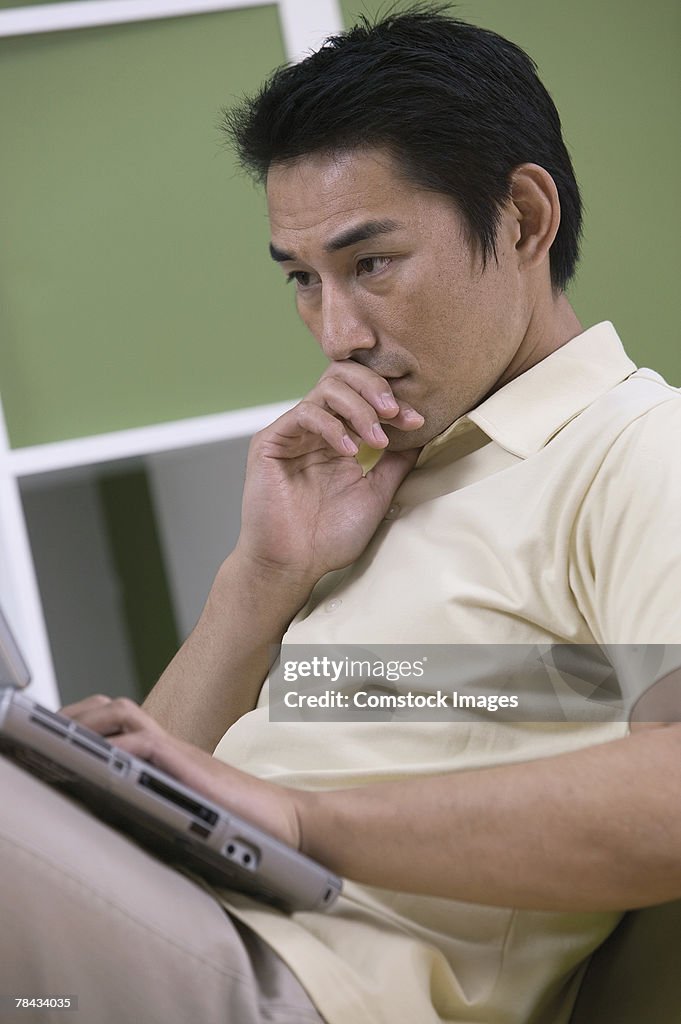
(635,423)
(646,413)
(626,542)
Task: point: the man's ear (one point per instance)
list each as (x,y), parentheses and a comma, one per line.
(536,206)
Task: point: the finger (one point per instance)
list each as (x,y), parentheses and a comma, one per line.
(78,707)
(374,391)
(143,744)
(359,415)
(116,716)
(377,391)
(171,755)
(132,729)
(291,435)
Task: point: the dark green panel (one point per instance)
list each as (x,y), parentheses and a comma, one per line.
(135,285)
(613,69)
(136,553)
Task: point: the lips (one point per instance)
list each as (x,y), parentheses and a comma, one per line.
(398,381)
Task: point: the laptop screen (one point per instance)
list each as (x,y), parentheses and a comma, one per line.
(13,668)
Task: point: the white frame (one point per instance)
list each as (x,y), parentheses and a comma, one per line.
(304,25)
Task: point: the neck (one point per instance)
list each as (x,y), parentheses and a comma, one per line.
(550,327)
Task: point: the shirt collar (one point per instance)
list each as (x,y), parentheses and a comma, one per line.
(527,412)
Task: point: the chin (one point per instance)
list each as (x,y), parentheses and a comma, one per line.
(403,441)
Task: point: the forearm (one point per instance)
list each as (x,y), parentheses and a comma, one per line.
(217,674)
(596,829)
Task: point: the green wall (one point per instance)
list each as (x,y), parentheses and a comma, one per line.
(135,284)
(135,277)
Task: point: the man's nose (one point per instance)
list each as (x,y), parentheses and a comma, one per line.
(345,327)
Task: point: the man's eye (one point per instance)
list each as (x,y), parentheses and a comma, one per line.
(372,264)
(303,278)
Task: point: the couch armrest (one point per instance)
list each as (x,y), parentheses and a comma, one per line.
(635,976)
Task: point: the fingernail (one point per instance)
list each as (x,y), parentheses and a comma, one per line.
(413,416)
(349,445)
(387,401)
(378,434)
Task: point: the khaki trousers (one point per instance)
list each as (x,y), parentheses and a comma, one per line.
(85,912)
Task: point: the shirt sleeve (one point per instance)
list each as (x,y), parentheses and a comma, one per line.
(628,534)
(627,548)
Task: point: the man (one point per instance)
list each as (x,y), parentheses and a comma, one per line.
(423,205)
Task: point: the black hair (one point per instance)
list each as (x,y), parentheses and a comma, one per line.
(458,107)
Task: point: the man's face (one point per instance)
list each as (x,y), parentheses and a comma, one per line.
(384,277)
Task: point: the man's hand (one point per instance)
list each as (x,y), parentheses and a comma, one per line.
(307,506)
(307,509)
(273,808)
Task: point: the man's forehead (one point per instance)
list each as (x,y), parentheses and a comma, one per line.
(333,194)
(327,178)
(332,168)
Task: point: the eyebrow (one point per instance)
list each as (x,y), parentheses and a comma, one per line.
(360,233)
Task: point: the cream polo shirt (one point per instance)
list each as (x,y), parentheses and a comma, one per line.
(548,514)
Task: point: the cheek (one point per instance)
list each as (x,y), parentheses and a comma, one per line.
(309,314)
(438,313)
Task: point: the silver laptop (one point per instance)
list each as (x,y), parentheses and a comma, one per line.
(177,823)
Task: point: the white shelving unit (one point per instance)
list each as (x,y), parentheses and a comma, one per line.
(304,25)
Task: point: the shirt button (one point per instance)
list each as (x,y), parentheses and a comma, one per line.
(333,606)
(393,512)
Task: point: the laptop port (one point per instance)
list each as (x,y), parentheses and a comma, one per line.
(173,796)
(242,853)
(200,830)
(53,725)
